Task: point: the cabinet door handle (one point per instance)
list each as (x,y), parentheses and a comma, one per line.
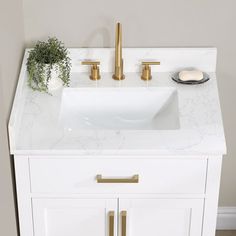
(111,216)
(133,180)
(123,222)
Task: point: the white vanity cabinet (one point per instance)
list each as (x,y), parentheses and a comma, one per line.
(138,217)
(85,196)
(60,217)
(120,158)
(179,217)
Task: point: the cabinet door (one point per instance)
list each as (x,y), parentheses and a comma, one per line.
(160,217)
(74,217)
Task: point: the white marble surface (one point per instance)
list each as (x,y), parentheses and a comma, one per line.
(34,128)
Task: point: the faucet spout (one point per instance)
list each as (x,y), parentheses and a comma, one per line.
(118,75)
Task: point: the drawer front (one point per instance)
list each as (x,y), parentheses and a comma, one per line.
(166,176)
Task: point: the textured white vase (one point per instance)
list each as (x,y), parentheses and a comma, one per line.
(55,82)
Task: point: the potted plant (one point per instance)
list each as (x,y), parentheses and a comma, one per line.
(48,66)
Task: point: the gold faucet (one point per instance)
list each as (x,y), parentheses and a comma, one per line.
(118,75)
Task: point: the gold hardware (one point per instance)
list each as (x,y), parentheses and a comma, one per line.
(146,73)
(118,75)
(95,71)
(111,216)
(123,223)
(133,180)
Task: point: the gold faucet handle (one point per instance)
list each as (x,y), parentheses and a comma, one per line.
(146,73)
(93,63)
(95,71)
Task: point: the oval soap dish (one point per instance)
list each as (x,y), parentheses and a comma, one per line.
(176,78)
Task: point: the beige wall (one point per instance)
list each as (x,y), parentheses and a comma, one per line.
(11,46)
(91,23)
(148,23)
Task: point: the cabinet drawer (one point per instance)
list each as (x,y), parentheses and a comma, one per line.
(177,176)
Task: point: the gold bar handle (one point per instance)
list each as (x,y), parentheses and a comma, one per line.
(145,63)
(133,180)
(123,222)
(146,72)
(95,70)
(90,63)
(111,216)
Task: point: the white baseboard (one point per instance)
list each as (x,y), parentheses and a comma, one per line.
(226,219)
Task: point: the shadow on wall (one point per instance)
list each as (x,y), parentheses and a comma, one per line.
(100,33)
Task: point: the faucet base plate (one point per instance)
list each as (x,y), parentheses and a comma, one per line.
(95,78)
(118,78)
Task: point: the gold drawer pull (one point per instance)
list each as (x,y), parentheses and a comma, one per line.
(123,223)
(133,180)
(111,215)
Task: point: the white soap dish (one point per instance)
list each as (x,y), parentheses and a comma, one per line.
(176,78)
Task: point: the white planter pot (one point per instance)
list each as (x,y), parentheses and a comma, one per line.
(55,82)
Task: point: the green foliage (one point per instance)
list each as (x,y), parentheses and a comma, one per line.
(42,59)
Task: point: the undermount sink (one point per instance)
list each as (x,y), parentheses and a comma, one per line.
(136,108)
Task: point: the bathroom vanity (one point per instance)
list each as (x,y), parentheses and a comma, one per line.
(90,161)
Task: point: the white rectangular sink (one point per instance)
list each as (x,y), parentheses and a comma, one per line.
(136,108)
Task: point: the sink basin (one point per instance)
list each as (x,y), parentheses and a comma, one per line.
(136,108)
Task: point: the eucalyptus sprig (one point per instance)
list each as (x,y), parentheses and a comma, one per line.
(42,59)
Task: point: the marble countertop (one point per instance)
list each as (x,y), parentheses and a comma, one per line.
(34,128)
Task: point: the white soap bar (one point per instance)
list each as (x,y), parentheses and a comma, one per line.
(186,75)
